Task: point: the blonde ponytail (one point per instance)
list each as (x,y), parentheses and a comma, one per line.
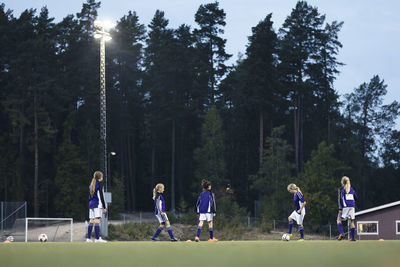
(96,177)
(346,183)
(156,189)
(294,187)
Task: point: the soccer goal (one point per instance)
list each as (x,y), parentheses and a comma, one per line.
(56,229)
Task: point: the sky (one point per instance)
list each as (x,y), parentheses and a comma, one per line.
(370,34)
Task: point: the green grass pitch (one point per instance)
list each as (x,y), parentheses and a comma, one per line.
(228,253)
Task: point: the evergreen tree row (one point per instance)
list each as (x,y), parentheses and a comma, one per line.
(177,113)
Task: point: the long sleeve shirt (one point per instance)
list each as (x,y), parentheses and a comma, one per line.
(97,200)
(159,204)
(347,200)
(206,202)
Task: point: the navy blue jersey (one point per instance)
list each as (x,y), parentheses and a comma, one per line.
(298,200)
(97,201)
(347,200)
(159,204)
(206,202)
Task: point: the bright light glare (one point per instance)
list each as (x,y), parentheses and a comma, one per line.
(107,38)
(107,24)
(113,153)
(97,23)
(97,35)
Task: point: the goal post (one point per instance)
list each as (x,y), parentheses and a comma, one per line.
(56,229)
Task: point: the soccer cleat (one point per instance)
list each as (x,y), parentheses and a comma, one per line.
(352,240)
(213,240)
(300,240)
(290,235)
(197,239)
(174,239)
(340,237)
(100,240)
(89,240)
(155,239)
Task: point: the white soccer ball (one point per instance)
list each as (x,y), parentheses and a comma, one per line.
(42,237)
(10,238)
(285,237)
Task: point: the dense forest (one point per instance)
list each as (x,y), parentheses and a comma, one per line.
(177,113)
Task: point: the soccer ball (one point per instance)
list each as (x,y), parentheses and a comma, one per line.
(10,238)
(285,237)
(42,237)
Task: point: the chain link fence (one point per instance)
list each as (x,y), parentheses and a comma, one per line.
(12,220)
(257,224)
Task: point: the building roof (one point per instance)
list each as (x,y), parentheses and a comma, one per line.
(378,208)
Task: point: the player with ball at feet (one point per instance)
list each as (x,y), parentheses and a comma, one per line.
(300,211)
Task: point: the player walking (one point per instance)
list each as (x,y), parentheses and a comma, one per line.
(347,201)
(97,206)
(160,213)
(206,209)
(300,211)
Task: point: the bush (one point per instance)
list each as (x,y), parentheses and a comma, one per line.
(265,226)
(230,221)
(130,231)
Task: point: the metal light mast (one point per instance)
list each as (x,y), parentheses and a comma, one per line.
(103,36)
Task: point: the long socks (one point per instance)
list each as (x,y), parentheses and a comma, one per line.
(211,233)
(301,230)
(90,228)
(340,227)
(198,231)
(352,231)
(97,230)
(171,235)
(157,232)
(290,227)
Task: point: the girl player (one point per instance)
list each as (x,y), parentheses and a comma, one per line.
(206,209)
(97,206)
(300,211)
(347,201)
(160,213)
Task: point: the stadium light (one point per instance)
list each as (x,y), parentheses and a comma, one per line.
(104,36)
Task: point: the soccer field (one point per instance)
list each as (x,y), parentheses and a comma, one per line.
(234,253)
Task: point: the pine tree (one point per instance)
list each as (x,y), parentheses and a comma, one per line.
(210,156)
(72,179)
(308,64)
(126,98)
(369,119)
(261,87)
(275,175)
(319,182)
(211,47)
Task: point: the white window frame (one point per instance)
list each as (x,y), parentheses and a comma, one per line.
(362,222)
(397,227)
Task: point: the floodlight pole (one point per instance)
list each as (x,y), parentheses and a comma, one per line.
(104,36)
(103,109)
(103,106)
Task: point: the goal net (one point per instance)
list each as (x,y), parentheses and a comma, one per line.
(56,229)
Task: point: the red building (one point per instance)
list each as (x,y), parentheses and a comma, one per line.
(382,222)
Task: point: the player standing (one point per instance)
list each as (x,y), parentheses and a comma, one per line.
(97,206)
(206,209)
(300,211)
(160,213)
(347,202)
